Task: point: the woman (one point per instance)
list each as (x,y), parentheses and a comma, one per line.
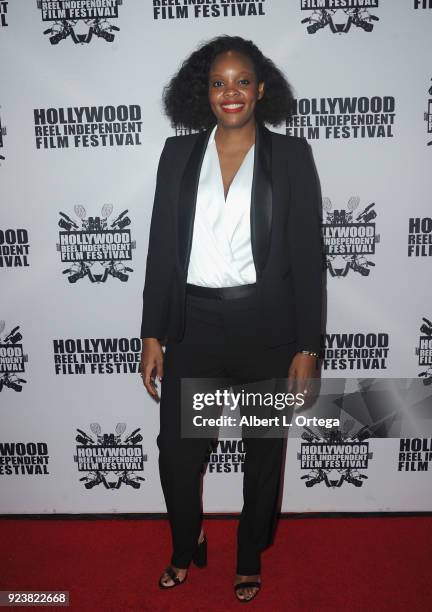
(233,280)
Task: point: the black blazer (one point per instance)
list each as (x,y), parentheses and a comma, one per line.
(285,236)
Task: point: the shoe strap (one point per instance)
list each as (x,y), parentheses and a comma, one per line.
(245,585)
(171,573)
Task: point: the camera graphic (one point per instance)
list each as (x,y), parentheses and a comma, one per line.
(358,17)
(63,28)
(106,265)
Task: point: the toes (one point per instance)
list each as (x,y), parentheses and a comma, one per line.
(246,593)
(166,580)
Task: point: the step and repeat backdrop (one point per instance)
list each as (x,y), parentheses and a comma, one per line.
(81,131)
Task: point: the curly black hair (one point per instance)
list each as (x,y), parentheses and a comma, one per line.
(185,98)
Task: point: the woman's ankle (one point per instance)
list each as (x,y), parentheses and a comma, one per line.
(180,570)
(246,577)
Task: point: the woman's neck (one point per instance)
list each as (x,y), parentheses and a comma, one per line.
(235,138)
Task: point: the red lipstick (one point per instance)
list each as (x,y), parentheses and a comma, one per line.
(232,107)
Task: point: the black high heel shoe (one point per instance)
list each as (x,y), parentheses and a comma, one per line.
(245,585)
(171,574)
(199,558)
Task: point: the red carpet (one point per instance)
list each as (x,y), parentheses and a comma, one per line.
(316,565)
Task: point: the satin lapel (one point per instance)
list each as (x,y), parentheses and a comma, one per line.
(187,198)
(261,198)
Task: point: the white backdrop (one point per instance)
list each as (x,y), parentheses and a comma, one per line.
(340,73)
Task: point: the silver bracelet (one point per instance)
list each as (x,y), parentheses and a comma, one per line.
(310,353)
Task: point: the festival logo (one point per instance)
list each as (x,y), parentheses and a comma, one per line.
(349,240)
(12,359)
(14,248)
(226,456)
(356,351)
(3,14)
(184,131)
(80,20)
(2,135)
(196,9)
(420,237)
(428,115)
(87,126)
(415,454)
(94,247)
(110,459)
(422,4)
(24,459)
(342,117)
(335,457)
(424,351)
(97,355)
(339,15)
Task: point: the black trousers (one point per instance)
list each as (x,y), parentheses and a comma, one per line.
(219,342)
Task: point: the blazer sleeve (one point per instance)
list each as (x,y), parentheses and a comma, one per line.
(160,258)
(306,249)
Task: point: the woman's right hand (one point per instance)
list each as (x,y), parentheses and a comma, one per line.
(151,365)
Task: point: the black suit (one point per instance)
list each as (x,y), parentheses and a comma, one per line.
(238,340)
(285,236)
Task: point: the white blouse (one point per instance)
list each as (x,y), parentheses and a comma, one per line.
(221,254)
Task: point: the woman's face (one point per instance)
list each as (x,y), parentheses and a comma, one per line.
(233,89)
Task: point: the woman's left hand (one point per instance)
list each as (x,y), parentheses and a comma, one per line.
(302,369)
